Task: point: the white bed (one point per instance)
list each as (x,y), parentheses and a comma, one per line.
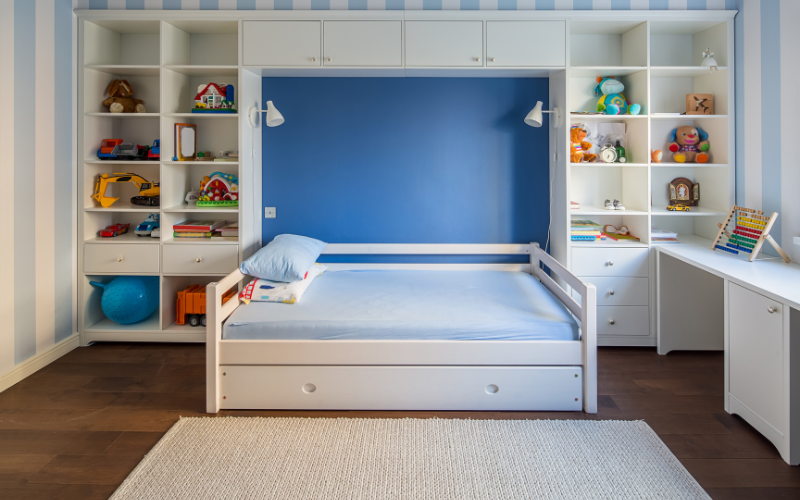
(478,348)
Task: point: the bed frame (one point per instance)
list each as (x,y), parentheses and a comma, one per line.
(536,375)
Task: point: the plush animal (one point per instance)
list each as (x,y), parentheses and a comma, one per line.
(579,149)
(689,144)
(655,156)
(611,101)
(120,100)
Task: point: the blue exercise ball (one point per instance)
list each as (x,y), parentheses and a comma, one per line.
(129,299)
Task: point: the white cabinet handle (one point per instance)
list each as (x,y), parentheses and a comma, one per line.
(120,259)
(612,322)
(610,263)
(477,59)
(611,292)
(771,309)
(328,59)
(491,59)
(198,260)
(313,59)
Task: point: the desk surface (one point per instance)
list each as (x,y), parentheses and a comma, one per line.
(770,276)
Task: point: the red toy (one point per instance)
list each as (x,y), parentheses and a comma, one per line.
(114,230)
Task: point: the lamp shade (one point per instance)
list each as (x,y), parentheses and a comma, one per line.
(275,118)
(534,118)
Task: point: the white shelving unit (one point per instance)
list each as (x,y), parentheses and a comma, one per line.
(658,60)
(165,60)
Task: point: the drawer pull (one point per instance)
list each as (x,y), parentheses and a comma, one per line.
(612,322)
(771,309)
(610,263)
(492,59)
(198,260)
(328,59)
(477,59)
(309,388)
(611,292)
(120,259)
(313,59)
(492,389)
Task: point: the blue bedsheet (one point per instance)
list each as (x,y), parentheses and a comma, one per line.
(419,305)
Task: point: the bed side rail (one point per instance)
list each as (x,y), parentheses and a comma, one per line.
(586,312)
(216,312)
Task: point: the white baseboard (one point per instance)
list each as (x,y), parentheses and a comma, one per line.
(36,363)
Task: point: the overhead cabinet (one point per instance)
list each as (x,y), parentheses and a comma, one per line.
(281,43)
(526,43)
(444,43)
(363,43)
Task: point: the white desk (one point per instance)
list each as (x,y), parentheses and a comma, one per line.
(708,300)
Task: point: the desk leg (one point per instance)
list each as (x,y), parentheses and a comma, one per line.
(727,337)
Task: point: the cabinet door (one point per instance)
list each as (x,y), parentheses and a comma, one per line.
(444,43)
(363,43)
(525,43)
(281,43)
(756,353)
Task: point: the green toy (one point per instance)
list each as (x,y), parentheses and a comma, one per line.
(611,101)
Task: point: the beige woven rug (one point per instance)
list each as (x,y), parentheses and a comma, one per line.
(294,458)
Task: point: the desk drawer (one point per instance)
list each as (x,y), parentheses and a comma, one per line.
(120,258)
(629,262)
(200,259)
(623,320)
(618,291)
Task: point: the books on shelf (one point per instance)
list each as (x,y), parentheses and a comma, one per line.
(574,205)
(585,225)
(622,237)
(192,234)
(198,225)
(206,229)
(229,230)
(586,230)
(663,236)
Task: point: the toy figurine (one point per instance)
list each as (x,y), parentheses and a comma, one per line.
(155,151)
(148,225)
(214,98)
(579,149)
(192,197)
(611,101)
(689,144)
(219,190)
(120,100)
(655,156)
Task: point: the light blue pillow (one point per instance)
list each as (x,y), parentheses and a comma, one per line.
(286,258)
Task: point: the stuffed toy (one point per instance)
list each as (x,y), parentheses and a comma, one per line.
(689,144)
(611,101)
(120,100)
(579,149)
(655,156)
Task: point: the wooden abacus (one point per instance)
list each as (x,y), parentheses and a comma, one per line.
(751,231)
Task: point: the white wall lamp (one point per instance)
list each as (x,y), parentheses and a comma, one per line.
(534,118)
(274,117)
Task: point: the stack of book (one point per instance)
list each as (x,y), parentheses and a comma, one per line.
(586,230)
(228,231)
(662,236)
(196,228)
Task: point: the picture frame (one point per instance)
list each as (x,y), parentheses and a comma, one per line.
(185,141)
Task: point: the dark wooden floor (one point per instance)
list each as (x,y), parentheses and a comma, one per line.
(75,429)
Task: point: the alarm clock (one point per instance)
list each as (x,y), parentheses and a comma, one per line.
(608,154)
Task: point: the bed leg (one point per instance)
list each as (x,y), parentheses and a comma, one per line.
(589,345)
(213,335)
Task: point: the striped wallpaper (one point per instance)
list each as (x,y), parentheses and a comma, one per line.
(36,127)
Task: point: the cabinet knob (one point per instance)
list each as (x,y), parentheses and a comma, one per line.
(313,59)
(120,259)
(610,263)
(477,59)
(328,59)
(612,322)
(611,292)
(771,309)
(198,260)
(492,59)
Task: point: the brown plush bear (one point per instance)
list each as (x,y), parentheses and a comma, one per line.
(689,144)
(120,100)
(579,149)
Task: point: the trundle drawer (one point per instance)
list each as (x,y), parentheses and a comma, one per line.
(631,262)
(623,320)
(200,259)
(547,388)
(120,258)
(618,291)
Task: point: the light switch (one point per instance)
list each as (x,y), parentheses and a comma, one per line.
(269,213)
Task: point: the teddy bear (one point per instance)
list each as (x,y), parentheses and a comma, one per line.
(120,100)
(611,101)
(689,144)
(579,149)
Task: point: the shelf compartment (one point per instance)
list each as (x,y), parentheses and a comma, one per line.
(717,136)
(635,137)
(714,189)
(200,43)
(121,42)
(170,286)
(592,186)
(146,86)
(668,94)
(94,320)
(681,43)
(180,89)
(181,177)
(638,224)
(583,83)
(212,135)
(621,43)
(122,190)
(95,221)
(141,131)
(691,230)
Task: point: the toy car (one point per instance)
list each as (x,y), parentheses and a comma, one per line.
(107,147)
(114,230)
(147,226)
(125,151)
(679,208)
(155,151)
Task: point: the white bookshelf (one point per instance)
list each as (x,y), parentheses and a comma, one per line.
(165,60)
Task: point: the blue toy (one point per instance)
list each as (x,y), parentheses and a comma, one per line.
(611,101)
(129,299)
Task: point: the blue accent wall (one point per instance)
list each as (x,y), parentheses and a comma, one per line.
(406,160)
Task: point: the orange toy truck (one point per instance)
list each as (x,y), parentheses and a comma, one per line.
(192,305)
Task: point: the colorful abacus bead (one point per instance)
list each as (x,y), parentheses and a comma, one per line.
(720,247)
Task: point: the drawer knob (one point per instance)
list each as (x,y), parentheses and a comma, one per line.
(198,260)
(328,59)
(610,263)
(120,259)
(313,59)
(477,59)
(611,292)
(612,322)
(771,309)
(492,59)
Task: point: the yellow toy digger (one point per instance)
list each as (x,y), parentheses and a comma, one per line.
(148,191)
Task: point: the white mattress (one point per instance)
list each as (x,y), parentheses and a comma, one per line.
(418,305)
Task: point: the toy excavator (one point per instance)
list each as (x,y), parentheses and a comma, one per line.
(148,191)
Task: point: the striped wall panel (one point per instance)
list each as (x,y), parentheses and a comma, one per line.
(36,165)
